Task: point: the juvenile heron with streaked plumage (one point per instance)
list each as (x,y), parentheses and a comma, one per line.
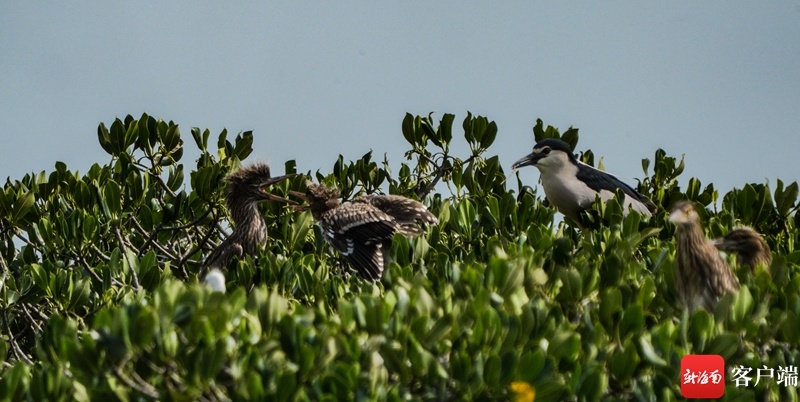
(702,277)
(247,187)
(362,229)
(572,186)
(750,248)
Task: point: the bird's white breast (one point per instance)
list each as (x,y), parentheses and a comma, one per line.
(566,192)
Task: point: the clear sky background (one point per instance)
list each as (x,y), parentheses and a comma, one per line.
(716,81)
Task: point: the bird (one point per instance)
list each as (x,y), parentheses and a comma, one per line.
(750,248)
(246,188)
(701,275)
(572,186)
(362,229)
(215,280)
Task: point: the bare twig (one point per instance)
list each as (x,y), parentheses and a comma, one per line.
(149,171)
(190,224)
(100,254)
(3,264)
(32,320)
(24,239)
(114,281)
(37,312)
(440,171)
(89,269)
(137,384)
(156,245)
(18,353)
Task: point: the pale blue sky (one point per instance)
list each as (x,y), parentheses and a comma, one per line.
(718,81)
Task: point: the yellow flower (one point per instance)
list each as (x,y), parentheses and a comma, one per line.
(523,392)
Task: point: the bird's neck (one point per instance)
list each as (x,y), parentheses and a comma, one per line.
(319,208)
(246,215)
(691,233)
(557,173)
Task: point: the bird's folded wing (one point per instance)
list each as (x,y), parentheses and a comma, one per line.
(598,180)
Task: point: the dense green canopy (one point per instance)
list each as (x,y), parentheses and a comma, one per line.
(100,297)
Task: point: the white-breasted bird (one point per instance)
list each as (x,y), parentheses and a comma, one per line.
(572,186)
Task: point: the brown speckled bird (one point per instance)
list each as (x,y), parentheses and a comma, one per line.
(701,275)
(750,248)
(247,187)
(362,230)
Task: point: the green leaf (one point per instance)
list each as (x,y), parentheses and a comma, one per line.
(22,205)
(565,346)
(446,128)
(112,199)
(701,328)
(610,307)
(593,383)
(244,145)
(725,345)
(570,137)
(530,365)
(201,139)
(632,321)
(40,278)
(105,139)
(785,201)
(538,131)
(624,362)
(649,353)
(490,133)
(742,306)
(409,130)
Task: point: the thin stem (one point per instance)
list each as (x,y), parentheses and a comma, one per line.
(127,258)
(18,353)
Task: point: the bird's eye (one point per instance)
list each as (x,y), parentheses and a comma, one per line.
(546,151)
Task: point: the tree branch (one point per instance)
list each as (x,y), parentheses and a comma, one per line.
(127,258)
(18,353)
(137,384)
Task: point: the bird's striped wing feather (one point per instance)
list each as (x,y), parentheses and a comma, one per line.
(408,213)
(361,233)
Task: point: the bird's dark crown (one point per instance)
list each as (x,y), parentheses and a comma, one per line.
(249,182)
(320,199)
(319,193)
(554,145)
(250,173)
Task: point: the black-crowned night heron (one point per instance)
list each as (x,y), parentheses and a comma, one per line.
(701,275)
(362,230)
(572,186)
(246,188)
(749,246)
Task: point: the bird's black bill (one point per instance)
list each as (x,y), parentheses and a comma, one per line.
(301,196)
(272,181)
(528,160)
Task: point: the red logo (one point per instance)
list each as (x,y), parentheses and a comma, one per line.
(702,376)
